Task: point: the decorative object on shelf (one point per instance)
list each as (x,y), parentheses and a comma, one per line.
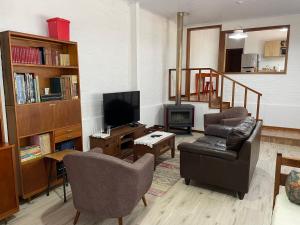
(59,28)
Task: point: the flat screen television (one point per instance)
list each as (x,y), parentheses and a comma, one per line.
(121,108)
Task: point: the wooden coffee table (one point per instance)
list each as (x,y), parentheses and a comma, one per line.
(158,148)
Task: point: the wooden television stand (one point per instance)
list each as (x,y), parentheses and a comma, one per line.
(120,142)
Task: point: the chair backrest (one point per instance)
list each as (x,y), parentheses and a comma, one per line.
(102,184)
(235,112)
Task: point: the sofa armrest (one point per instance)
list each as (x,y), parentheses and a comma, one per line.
(212,118)
(144,168)
(201,149)
(232,121)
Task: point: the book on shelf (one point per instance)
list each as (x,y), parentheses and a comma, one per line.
(64,59)
(39,56)
(43,141)
(66,85)
(30,152)
(69,84)
(27,88)
(51,97)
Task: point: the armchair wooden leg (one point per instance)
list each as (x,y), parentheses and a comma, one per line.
(76,217)
(120,219)
(144,200)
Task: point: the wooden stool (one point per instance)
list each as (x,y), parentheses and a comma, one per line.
(209,86)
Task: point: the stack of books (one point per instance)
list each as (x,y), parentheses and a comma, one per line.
(30,152)
(27,88)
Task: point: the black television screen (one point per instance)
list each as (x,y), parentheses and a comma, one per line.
(121,108)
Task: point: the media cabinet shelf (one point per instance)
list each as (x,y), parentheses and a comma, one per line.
(124,135)
(61,119)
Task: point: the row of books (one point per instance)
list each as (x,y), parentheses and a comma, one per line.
(27,88)
(39,56)
(39,146)
(66,85)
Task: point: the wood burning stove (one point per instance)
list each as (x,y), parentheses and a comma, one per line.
(179,116)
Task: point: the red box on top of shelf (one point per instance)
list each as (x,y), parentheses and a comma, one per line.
(59,28)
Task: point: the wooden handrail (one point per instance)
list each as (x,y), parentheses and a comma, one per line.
(211,72)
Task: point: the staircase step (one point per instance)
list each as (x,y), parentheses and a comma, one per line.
(216,105)
(281,135)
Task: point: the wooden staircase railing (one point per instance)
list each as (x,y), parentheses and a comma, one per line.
(215,97)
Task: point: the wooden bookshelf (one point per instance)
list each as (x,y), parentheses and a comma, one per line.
(60,118)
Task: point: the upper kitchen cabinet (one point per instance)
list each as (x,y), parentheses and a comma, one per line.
(256,50)
(275,48)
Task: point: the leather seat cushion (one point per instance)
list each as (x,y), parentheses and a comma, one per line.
(210,146)
(240,133)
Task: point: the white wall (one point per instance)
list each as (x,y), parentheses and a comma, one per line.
(280,105)
(204,49)
(154,48)
(108,35)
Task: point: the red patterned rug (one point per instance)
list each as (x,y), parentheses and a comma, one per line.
(166,174)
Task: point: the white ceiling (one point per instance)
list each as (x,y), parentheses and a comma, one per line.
(207,11)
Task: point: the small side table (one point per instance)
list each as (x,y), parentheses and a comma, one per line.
(58,157)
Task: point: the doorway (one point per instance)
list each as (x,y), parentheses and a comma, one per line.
(233,60)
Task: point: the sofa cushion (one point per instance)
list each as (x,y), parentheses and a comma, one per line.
(285,212)
(210,146)
(240,133)
(292,187)
(218,130)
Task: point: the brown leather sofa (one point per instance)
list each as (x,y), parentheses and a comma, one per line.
(225,156)
(229,117)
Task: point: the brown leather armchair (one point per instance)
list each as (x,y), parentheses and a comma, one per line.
(106,185)
(229,117)
(222,160)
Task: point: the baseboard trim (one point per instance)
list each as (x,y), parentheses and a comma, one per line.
(181,129)
(281,128)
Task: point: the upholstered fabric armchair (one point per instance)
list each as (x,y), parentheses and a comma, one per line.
(108,186)
(229,117)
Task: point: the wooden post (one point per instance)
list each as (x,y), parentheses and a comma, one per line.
(245,98)
(258,106)
(170,83)
(210,87)
(199,80)
(222,90)
(233,93)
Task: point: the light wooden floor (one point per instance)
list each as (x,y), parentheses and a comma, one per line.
(182,205)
